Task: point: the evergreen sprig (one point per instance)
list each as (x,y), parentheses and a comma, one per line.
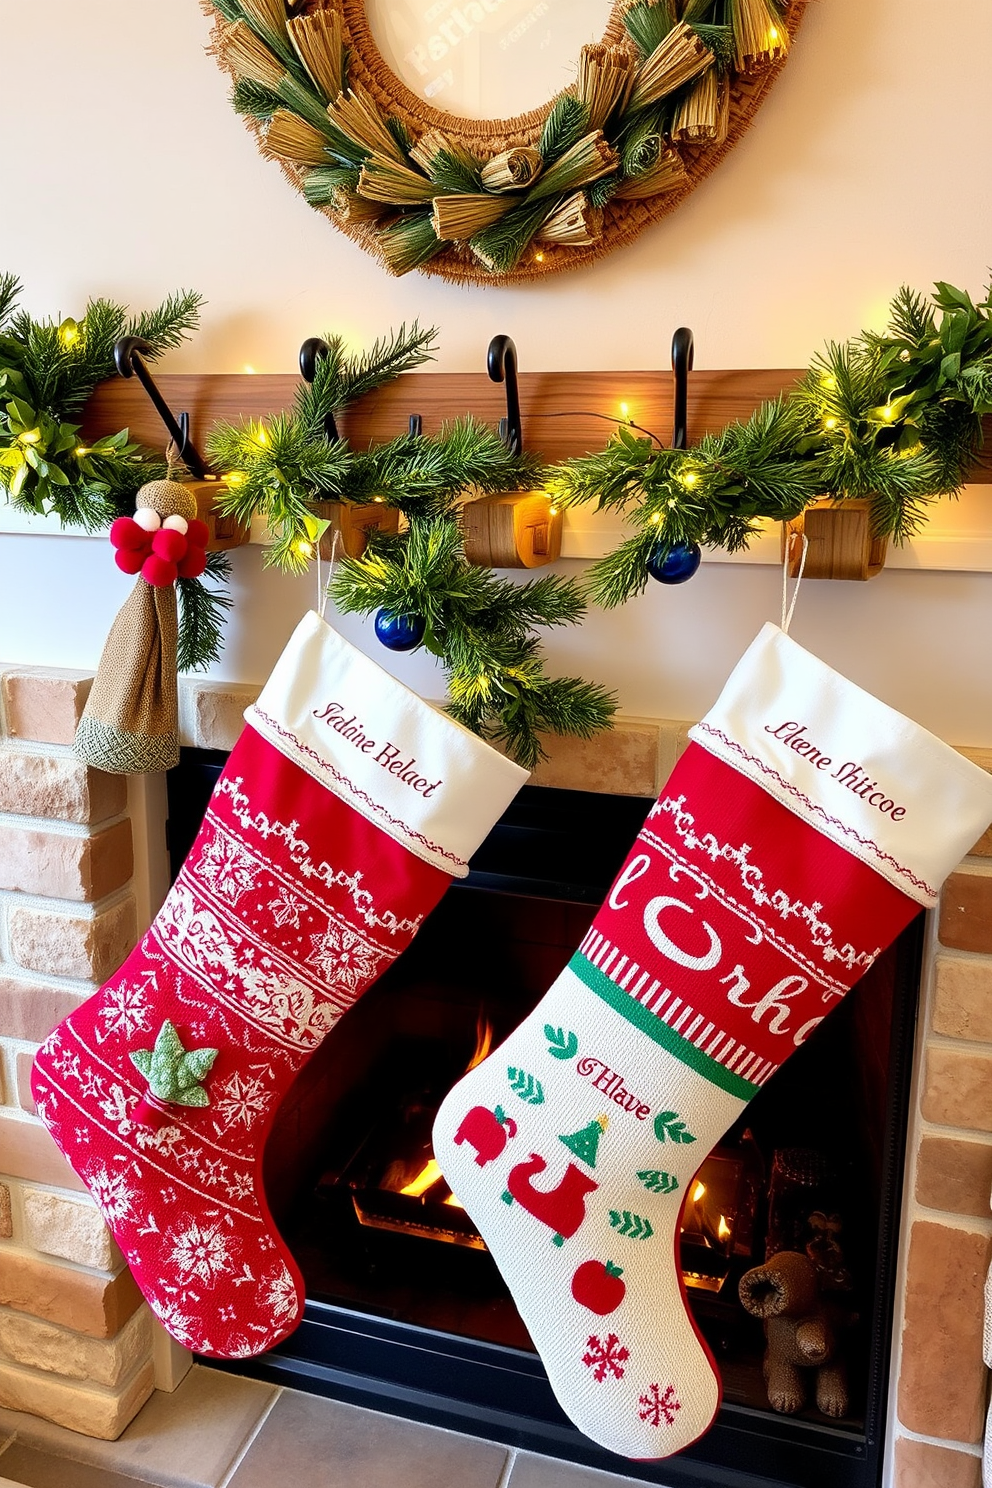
(48,369)
(480,627)
(425,476)
(202,613)
(279,468)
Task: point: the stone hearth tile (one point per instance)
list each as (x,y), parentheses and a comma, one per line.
(530,1471)
(30,1010)
(962,1006)
(957,1089)
(188,1439)
(28,1151)
(28,1468)
(85,947)
(920,1465)
(622,762)
(44,703)
(326,1444)
(954,1175)
(211,713)
(942,1382)
(966,912)
(58,786)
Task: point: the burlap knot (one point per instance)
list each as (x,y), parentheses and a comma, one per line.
(130,725)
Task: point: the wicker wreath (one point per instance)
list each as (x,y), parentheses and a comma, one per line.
(654,107)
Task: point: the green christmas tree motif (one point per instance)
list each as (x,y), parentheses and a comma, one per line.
(585,1143)
(174,1073)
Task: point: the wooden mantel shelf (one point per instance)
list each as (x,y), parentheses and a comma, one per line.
(563,414)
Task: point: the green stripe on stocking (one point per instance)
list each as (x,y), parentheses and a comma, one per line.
(648,1022)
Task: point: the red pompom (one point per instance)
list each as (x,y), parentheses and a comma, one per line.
(197,533)
(125,533)
(169,544)
(159,572)
(192,566)
(129,561)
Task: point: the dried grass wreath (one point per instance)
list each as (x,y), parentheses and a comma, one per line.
(655,106)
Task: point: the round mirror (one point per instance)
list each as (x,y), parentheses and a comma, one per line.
(483,59)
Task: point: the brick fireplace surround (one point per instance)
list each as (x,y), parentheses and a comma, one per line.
(81,870)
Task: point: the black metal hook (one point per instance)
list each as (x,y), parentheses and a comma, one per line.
(311,352)
(128,353)
(682,350)
(416,425)
(501,364)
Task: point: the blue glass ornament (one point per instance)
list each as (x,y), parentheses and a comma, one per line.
(676,564)
(399,632)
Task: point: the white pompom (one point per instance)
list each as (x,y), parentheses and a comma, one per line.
(176,524)
(147,519)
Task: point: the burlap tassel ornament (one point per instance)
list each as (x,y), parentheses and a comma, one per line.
(130,725)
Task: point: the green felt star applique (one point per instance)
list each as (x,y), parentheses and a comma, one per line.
(174,1073)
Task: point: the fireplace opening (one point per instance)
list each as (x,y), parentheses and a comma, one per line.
(406,1309)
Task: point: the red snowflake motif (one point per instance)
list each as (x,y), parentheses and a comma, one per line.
(655,1405)
(605,1356)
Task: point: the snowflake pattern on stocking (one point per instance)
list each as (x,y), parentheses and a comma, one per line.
(280,1293)
(201,1251)
(286,910)
(657,1406)
(241,1100)
(605,1357)
(125,1010)
(343,957)
(112,1192)
(226,866)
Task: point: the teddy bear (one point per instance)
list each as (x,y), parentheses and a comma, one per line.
(802,1332)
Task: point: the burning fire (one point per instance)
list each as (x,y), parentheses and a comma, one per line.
(425,1179)
(430,1173)
(483,1041)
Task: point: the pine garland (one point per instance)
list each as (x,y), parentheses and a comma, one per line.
(672,72)
(280,467)
(480,626)
(48,369)
(894,417)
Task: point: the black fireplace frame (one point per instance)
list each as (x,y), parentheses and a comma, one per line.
(572,843)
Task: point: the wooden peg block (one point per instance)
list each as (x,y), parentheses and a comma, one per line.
(225,532)
(840,542)
(353,525)
(518,530)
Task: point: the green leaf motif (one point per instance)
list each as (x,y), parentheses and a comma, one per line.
(526,1086)
(655,1181)
(634,1226)
(563,1045)
(667,1124)
(174,1073)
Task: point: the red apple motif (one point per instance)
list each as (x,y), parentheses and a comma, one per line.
(598,1287)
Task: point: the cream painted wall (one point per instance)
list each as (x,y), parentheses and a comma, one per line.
(127,174)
